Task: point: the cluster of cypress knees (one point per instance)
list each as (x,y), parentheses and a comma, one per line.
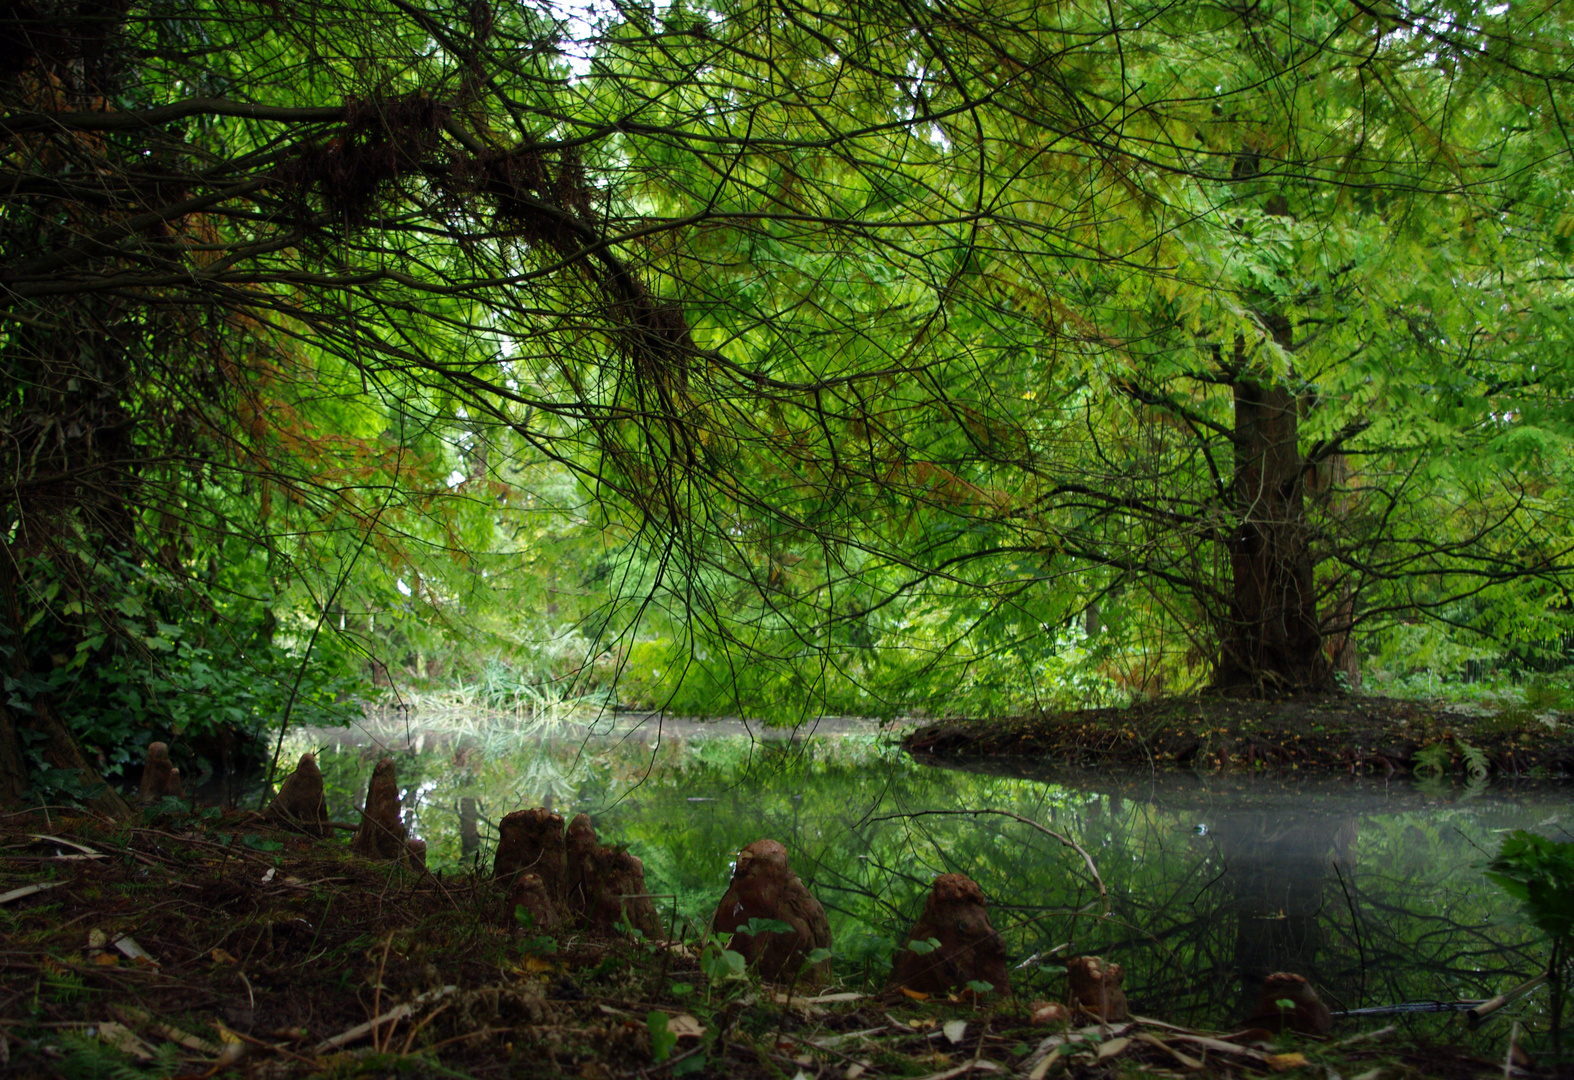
(564,875)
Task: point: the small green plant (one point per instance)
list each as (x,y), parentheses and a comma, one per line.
(537,944)
(1438,759)
(690,1064)
(63,986)
(764,926)
(923,948)
(1539,873)
(1541,696)
(88,1058)
(662,1038)
(719,964)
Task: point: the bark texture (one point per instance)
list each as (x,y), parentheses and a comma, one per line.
(616,894)
(764,887)
(956,915)
(301,801)
(1095,988)
(1271,641)
(530,893)
(532,840)
(160,778)
(1304,1013)
(381,833)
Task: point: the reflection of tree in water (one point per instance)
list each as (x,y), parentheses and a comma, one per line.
(1372,894)
(1373,908)
(1277,879)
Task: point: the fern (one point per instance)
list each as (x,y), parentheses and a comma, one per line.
(88,1058)
(1435,759)
(1475,758)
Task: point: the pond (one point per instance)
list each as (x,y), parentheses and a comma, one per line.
(1370,888)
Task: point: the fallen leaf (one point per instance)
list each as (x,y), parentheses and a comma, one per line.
(1113,1047)
(954,1031)
(1045,1065)
(105,959)
(186,1039)
(129,946)
(28,890)
(125,1040)
(916,995)
(684,1024)
(1045,1013)
(1281,1062)
(222,957)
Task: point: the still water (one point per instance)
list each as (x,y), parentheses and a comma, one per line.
(1371,888)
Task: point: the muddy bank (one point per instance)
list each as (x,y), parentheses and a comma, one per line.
(1362,735)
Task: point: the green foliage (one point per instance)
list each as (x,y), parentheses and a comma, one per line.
(719,964)
(1437,759)
(89,1058)
(695,1063)
(1539,873)
(661,1039)
(925,388)
(764,926)
(143,655)
(63,985)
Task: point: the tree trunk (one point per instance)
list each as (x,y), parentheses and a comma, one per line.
(13,766)
(1271,642)
(61,750)
(59,744)
(1329,489)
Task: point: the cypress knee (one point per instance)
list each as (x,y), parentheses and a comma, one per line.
(381,833)
(764,887)
(969,951)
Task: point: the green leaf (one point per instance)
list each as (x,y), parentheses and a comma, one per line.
(764,926)
(661,1040)
(718,963)
(1539,873)
(692,1063)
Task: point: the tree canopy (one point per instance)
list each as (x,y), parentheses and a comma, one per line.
(810,335)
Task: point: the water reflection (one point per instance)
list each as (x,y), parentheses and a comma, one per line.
(1368,888)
